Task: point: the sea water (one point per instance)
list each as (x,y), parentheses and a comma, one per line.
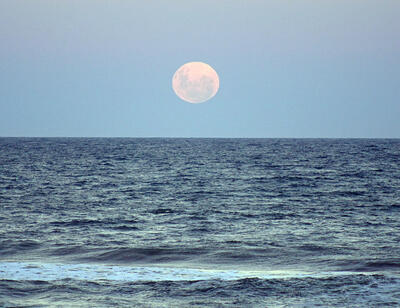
(158,222)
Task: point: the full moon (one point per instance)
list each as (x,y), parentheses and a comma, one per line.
(195,82)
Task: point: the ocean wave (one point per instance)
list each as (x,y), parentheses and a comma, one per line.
(377,265)
(35,271)
(146,255)
(50,285)
(92,222)
(10,247)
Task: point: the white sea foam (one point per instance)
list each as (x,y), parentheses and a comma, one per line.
(92,272)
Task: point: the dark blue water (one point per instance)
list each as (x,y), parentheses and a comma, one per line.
(199,222)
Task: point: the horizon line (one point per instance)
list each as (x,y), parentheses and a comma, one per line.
(182,137)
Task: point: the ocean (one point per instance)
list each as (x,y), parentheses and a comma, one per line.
(171,222)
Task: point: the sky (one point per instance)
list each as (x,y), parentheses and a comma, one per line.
(292,69)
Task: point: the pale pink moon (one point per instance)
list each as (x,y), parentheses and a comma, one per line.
(195,82)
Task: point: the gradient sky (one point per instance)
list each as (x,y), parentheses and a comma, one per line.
(287,68)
